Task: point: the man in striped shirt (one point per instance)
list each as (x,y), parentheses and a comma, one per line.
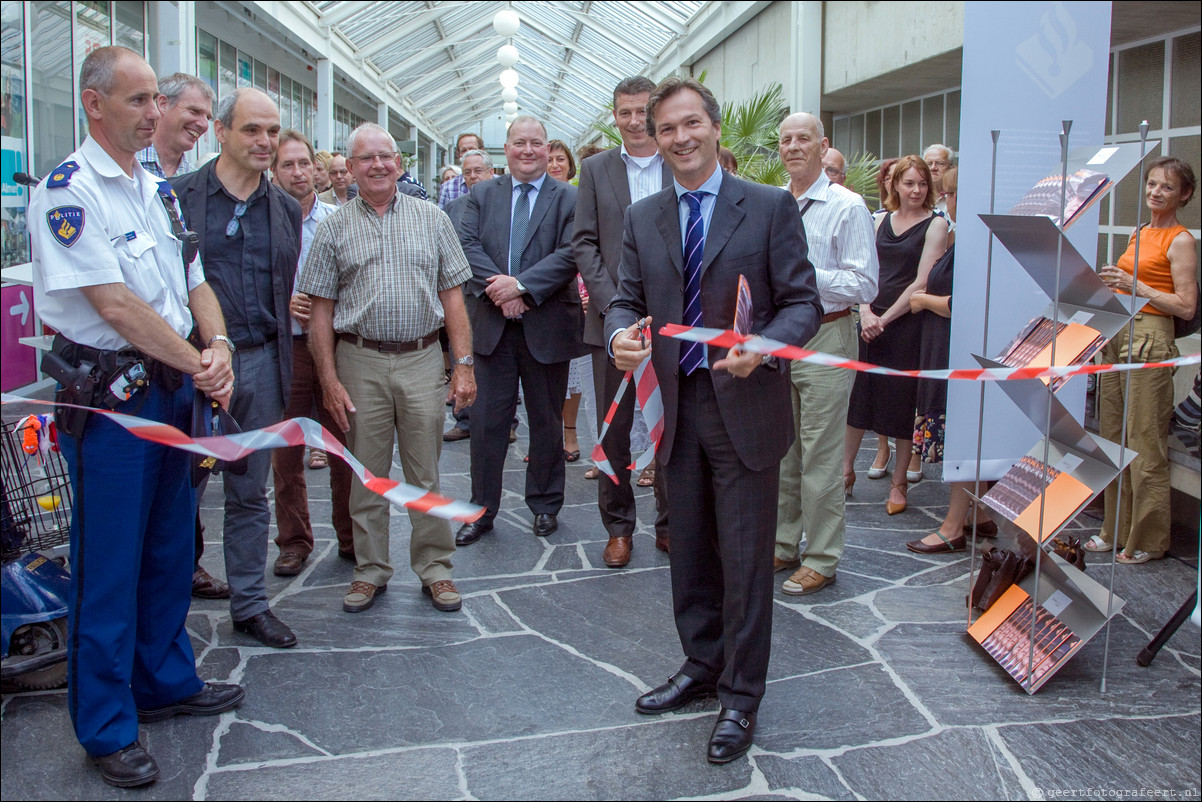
(186,108)
(838,229)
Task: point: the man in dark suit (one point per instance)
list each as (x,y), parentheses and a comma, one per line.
(609,183)
(727,415)
(250,236)
(526,323)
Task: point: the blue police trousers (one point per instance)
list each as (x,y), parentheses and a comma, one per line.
(132,533)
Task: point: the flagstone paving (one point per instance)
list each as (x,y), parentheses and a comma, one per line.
(874,689)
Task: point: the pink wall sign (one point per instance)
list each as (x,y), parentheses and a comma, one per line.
(17,320)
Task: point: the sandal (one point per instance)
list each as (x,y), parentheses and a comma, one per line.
(593,473)
(318,460)
(1138,558)
(647,477)
(1096,544)
(571,455)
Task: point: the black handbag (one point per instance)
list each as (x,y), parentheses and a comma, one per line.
(210,420)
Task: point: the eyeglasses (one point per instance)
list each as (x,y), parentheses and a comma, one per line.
(375,157)
(236,221)
(831,172)
(940,163)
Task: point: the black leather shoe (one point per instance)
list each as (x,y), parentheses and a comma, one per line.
(470,533)
(674,694)
(545,523)
(267,630)
(731,737)
(212,699)
(127,768)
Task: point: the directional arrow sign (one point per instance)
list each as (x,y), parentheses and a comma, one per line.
(21,309)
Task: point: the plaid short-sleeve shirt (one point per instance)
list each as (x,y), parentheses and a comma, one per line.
(385,272)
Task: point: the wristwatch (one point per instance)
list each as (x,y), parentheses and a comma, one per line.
(466,361)
(222,338)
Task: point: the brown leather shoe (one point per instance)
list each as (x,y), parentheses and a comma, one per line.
(289,563)
(663,544)
(361,596)
(443,595)
(207,586)
(617,552)
(455,434)
(779,565)
(806,581)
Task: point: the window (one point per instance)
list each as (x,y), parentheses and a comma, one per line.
(14,245)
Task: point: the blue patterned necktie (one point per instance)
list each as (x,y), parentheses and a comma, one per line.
(692,355)
(517,229)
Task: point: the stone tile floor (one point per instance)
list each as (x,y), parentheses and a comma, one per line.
(874,689)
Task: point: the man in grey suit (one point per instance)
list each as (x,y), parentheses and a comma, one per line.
(609,183)
(526,323)
(727,414)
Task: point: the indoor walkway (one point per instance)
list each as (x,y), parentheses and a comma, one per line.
(874,690)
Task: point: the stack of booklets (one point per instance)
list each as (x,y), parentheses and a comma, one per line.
(1031,491)
(1006,633)
(1075,344)
(1083,189)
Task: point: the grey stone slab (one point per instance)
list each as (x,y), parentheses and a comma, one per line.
(807,774)
(325,568)
(412,774)
(621,618)
(954,572)
(401,617)
(1157,753)
(940,603)
(834,709)
(964,686)
(246,743)
(802,646)
(200,627)
(218,664)
(507,549)
(881,563)
(953,764)
(564,558)
(852,617)
(490,615)
(656,759)
(478,690)
(43,760)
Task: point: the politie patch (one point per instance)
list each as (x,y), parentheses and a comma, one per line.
(66,224)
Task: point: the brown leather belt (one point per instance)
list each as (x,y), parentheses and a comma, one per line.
(390,348)
(835,315)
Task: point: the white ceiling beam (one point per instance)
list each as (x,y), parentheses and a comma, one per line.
(344,11)
(593,25)
(371,46)
(456,63)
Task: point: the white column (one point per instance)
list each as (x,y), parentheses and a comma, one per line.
(172,33)
(324,133)
(434,166)
(805,58)
(382,115)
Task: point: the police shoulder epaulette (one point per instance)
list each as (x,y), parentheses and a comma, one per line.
(166,189)
(61,176)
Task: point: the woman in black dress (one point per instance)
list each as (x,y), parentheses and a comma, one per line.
(909,240)
(933,308)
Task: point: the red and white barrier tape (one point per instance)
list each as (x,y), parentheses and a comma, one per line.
(761,345)
(291,432)
(646,388)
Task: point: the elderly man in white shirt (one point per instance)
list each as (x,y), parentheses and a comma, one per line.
(839,230)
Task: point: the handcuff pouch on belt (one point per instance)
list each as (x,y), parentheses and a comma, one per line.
(91,377)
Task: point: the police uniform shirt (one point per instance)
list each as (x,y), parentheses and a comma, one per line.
(105,227)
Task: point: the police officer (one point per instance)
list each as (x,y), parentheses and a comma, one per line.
(110,276)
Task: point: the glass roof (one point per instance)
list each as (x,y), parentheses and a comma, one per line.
(442,56)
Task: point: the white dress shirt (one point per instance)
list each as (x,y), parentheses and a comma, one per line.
(842,244)
(644,174)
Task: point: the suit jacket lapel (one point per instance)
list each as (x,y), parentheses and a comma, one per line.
(726,218)
(668,223)
(545,197)
(504,217)
(618,179)
(666,177)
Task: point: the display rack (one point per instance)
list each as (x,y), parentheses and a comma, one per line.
(1034,628)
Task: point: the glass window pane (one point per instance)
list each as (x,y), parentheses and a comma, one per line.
(260,75)
(952,123)
(130,25)
(92,30)
(273,89)
(842,134)
(51,76)
(932,121)
(891,133)
(1141,87)
(206,58)
(856,142)
(1187,82)
(14,249)
(911,132)
(1188,148)
(245,74)
(1110,97)
(229,69)
(872,132)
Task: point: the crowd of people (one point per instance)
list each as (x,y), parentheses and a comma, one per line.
(279,281)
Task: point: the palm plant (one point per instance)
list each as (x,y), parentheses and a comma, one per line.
(862,169)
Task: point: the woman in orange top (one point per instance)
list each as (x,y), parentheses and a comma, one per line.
(1167,269)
